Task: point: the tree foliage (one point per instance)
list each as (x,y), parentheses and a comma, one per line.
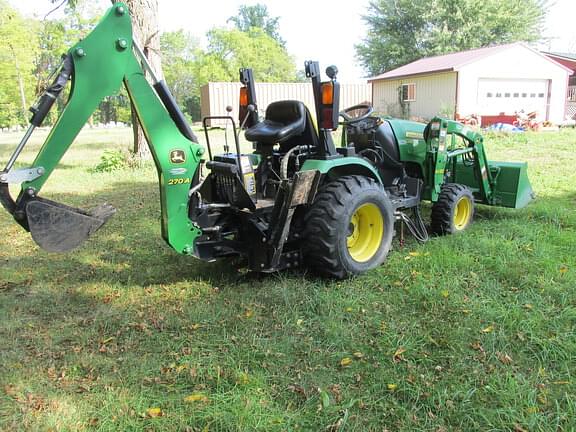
(401,31)
(16,65)
(229,50)
(257,16)
(179,50)
(186,66)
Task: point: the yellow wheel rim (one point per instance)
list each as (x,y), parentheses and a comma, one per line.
(462,213)
(366,231)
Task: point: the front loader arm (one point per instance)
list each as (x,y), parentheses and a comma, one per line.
(439,135)
(102,62)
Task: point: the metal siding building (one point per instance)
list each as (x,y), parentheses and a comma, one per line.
(216,96)
(487,82)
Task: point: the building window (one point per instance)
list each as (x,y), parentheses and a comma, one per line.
(516,95)
(507,95)
(524,94)
(532,95)
(498,94)
(408,92)
(489,94)
(540,95)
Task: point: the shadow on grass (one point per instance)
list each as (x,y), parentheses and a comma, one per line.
(129,249)
(542,207)
(125,323)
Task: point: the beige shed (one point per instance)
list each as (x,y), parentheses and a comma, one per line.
(491,82)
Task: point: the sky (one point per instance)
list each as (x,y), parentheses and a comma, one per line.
(320,30)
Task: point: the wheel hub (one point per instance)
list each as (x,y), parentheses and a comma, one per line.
(366,230)
(462,213)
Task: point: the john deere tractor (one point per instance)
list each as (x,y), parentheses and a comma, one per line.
(296,199)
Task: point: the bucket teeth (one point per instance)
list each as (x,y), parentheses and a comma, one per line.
(59,228)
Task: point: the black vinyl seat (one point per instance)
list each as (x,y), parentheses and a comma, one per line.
(284,120)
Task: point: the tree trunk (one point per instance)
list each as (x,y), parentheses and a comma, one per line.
(144,15)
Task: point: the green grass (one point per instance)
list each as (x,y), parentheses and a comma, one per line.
(467,333)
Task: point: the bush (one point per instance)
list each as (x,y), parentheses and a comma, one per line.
(112,160)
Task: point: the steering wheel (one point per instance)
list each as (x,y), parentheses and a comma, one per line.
(356,113)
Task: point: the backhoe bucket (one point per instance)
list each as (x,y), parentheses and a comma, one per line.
(59,228)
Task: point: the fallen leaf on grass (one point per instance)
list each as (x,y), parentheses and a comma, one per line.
(324,398)
(154,412)
(504,358)
(249,313)
(196,397)
(476,346)
(414,254)
(391,387)
(398,354)
(298,389)
(358,355)
(563,269)
(345,362)
(488,329)
(445,293)
(560,382)
(243,378)
(518,428)
(336,392)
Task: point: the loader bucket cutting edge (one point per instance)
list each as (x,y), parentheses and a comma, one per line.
(59,228)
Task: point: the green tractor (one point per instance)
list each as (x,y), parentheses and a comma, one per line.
(296,200)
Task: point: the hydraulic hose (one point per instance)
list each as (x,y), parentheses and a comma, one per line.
(286,159)
(41,109)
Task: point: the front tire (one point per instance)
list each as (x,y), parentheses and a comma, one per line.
(349,227)
(454,210)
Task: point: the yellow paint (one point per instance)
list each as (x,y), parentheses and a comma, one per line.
(462,213)
(367,226)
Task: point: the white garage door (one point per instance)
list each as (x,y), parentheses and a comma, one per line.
(510,95)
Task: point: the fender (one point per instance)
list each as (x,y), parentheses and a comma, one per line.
(334,168)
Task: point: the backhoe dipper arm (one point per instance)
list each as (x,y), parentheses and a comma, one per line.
(102,62)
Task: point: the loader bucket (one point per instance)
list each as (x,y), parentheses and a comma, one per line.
(59,228)
(512,187)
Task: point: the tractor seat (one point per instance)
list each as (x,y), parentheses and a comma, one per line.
(284,120)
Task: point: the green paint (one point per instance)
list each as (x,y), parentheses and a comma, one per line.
(103,61)
(342,166)
(411,144)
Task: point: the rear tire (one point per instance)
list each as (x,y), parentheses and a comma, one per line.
(454,210)
(348,228)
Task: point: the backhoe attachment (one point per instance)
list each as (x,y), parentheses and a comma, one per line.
(97,67)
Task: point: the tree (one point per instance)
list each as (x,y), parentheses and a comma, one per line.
(401,31)
(16,65)
(179,50)
(230,50)
(257,16)
(144,15)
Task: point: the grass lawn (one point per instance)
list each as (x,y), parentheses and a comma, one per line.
(466,333)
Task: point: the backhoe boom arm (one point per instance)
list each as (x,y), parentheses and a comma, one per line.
(102,62)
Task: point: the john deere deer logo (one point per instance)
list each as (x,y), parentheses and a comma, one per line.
(177,156)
